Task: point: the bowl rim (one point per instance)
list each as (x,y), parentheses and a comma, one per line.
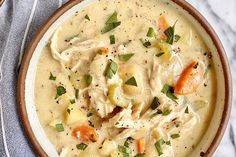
(183,4)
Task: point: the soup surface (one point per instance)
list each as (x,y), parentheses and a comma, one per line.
(125,78)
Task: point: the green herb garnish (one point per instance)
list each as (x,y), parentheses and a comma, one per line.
(111,23)
(174,136)
(76,93)
(125,57)
(60,91)
(140,155)
(151,32)
(72,101)
(88,79)
(51,77)
(81,146)
(169,92)
(112,39)
(166,112)
(131,81)
(186,110)
(168,143)
(112,69)
(170,34)
(177,37)
(125,150)
(156,113)
(155,103)
(87,17)
(158,146)
(126,143)
(145,43)
(160,54)
(59,127)
(110,27)
(112,18)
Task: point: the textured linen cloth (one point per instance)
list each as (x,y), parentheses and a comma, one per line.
(19,21)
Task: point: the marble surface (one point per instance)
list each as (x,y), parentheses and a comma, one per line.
(221,15)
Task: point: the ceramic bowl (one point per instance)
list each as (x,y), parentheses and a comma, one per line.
(27,109)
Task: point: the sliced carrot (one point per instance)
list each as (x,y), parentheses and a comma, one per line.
(86,133)
(190,79)
(141,145)
(103,51)
(162,26)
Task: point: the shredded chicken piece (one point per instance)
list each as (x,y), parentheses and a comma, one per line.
(64,152)
(66,55)
(123,119)
(99,102)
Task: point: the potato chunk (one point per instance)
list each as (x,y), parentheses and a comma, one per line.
(73,115)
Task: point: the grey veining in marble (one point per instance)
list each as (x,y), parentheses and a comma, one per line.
(19,20)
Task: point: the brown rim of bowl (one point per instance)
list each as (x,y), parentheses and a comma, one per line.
(1,2)
(186,6)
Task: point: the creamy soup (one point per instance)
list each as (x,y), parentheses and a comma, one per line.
(125,78)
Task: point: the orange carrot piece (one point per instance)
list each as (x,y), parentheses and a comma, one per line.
(141,145)
(86,133)
(190,79)
(103,51)
(162,26)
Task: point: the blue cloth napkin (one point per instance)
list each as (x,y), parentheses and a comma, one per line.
(19,21)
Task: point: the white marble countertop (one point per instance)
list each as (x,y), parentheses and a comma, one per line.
(221,15)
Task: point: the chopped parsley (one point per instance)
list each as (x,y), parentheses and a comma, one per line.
(72,101)
(170,34)
(146,43)
(166,112)
(155,103)
(151,32)
(81,146)
(60,91)
(168,143)
(177,37)
(158,146)
(111,23)
(156,113)
(140,155)
(59,127)
(112,69)
(88,79)
(51,77)
(112,39)
(124,150)
(174,136)
(186,110)
(125,57)
(169,92)
(76,93)
(112,18)
(131,81)
(87,17)
(129,139)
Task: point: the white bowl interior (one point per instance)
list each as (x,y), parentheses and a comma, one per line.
(31,73)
